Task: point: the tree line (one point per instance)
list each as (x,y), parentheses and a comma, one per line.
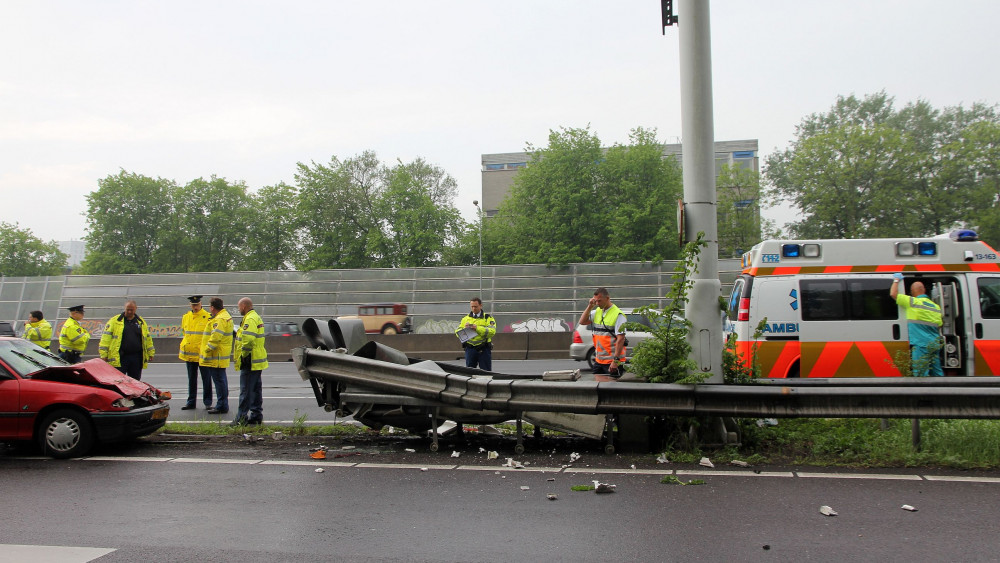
(861,169)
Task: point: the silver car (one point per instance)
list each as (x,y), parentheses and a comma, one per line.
(582,347)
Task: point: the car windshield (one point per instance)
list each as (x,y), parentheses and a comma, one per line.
(24,358)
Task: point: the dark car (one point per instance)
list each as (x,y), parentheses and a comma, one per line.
(66,408)
(7,329)
(281,329)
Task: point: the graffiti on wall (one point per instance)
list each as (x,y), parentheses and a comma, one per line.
(96,329)
(550,324)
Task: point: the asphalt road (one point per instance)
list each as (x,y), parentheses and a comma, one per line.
(286,395)
(237,502)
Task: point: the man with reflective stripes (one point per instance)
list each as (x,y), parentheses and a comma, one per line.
(217,351)
(923,318)
(251,360)
(37,330)
(608,329)
(73,337)
(193,326)
(126,342)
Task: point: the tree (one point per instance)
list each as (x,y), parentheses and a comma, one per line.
(272,234)
(214,217)
(577,203)
(24,254)
(359,213)
(125,216)
(337,205)
(864,169)
(419,219)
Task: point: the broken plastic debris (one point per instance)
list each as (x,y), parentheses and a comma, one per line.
(908,507)
(423,469)
(662,459)
(278,436)
(410,450)
(481,450)
(514,464)
(551,496)
(318,454)
(573,457)
(633,466)
(455,454)
(525,488)
(319,470)
(347,447)
(827,511)
(551,479)
(492,455)
(739,463)
(250,438)
(600,487)
(705,462)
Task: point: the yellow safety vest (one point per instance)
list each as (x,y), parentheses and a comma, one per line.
(603,331)
(217,342)
(251,337)
(73,337)
(193,327)
(111,341)
(39,333)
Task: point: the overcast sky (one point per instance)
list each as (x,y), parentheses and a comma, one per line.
(245,90)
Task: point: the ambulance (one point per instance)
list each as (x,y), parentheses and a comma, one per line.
(828,311)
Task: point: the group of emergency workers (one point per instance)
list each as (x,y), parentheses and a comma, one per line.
(476,331)
(208,346)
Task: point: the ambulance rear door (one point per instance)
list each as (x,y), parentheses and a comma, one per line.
(850,327)
(985,305)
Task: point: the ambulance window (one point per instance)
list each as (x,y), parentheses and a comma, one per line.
(823,300)
(734,299)
(870,300)
(989,297)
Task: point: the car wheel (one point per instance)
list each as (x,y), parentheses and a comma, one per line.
(66,433)
(590,358)
(389,329)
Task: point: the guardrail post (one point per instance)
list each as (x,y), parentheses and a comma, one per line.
(915,434)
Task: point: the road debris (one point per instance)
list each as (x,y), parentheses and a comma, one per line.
(410,451)
(662,459)
(827,511)
(551,496)
(347,447)
(455,454)
(739,463)
(705,462)
(573,457)
(908,507)
(525,488)
(601,488)
(250,438)
(319,470)
(492,455)
(318,454)
(423,469)
(514,464)
(278,436)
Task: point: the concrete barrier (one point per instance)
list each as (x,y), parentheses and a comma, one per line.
(439,347)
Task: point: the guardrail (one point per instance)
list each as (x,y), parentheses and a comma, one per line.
(909,398)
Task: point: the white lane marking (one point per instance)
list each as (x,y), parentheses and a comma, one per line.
(958,479)
(568,470)
(215,460)
(404,466)
(734,473)
(873,476)
(10,553)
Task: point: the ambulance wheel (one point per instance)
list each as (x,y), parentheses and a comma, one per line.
(433,447)
(609,449)
(794,372)
(590,358)
(519,449)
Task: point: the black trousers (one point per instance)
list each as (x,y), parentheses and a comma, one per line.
(132,366)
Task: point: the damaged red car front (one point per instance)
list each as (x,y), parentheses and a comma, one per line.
(67,408)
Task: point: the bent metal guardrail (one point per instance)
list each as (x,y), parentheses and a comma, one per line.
(903,398)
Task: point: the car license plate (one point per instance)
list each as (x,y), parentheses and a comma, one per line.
(160,414)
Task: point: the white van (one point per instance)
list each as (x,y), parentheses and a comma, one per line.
(829,313)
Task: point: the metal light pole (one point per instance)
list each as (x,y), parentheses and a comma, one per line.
(479,212)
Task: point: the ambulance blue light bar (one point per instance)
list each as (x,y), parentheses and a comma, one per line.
(792,250)
(916,248)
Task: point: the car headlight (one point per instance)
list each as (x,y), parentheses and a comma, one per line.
(123,403)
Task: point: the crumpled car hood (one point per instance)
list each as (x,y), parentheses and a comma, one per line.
(99,373)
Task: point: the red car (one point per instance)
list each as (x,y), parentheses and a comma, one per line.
(67,408)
